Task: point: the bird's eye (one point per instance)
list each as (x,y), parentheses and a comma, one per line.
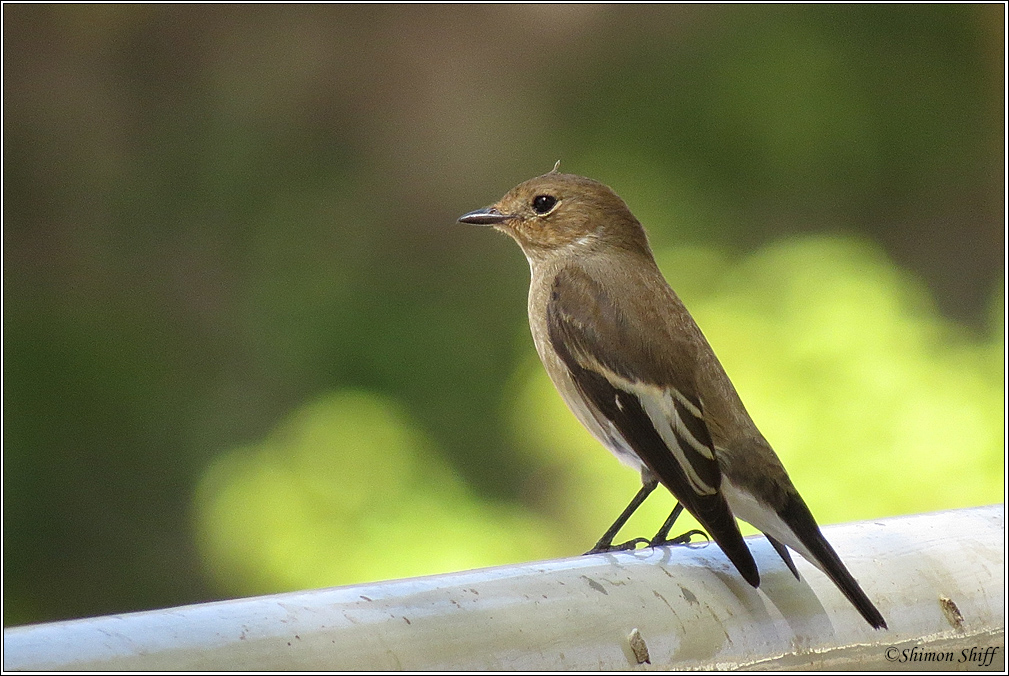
(543,203)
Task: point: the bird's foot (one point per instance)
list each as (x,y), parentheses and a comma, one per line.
(678,540)
(603,547)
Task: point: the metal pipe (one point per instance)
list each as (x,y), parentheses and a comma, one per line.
(939,580)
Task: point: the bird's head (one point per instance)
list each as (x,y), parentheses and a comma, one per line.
(558,212)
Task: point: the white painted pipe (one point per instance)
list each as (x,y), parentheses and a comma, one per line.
(938,579)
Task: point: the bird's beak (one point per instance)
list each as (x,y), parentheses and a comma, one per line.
(485,216)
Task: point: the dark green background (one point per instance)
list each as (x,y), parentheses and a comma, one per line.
(214,213)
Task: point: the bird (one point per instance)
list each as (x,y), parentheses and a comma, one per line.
(635,369)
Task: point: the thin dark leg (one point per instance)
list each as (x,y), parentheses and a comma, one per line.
(605,543)
(661,538)
(668,525)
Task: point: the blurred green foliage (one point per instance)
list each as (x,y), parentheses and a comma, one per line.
(345,477)
(246,347)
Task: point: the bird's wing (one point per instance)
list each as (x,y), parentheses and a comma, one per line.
(641,380)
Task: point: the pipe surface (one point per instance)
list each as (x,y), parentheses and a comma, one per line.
(938,579)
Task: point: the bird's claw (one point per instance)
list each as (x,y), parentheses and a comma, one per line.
(684,539)
(602,547)
(679,539)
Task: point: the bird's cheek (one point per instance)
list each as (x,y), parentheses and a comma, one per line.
(530,233)
(513,226)
(508,228)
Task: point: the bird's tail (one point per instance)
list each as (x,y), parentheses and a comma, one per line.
(798,517)
(724,530)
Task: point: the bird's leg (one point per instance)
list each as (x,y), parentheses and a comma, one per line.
(662,537)
(605,543)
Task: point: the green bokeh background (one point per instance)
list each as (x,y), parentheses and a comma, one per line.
(248,349)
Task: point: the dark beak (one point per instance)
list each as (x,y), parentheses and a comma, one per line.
(485,216)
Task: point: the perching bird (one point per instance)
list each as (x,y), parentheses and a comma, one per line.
(635,369)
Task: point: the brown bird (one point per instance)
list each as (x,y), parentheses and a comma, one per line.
(634,368)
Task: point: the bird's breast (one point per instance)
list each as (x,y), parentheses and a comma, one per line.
(591,419)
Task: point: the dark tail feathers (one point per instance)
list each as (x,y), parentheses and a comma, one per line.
(801,521)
